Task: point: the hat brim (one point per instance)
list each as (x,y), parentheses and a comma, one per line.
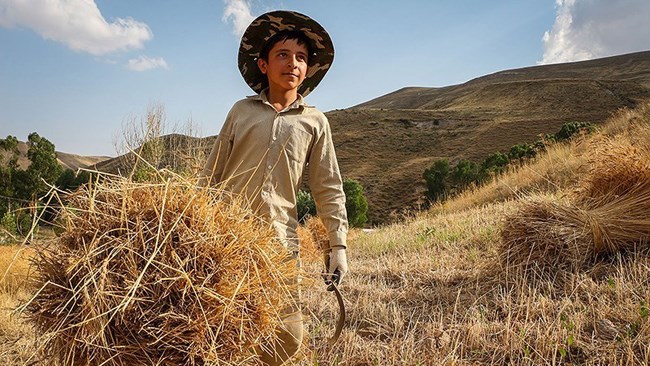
(268,24)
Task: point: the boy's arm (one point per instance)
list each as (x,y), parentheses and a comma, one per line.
(327,189)
(213,169)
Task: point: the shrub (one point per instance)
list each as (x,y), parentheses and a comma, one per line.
(569,129)
(70,181)
(521,152)
(436,179)
(356,204)
(8,222)
(494,164)
(464,174)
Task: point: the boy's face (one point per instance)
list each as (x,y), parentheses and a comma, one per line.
(286,67)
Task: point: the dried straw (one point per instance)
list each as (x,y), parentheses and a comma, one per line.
(615,168)
(313,240)
(159,274)
(609,213)
(549,234)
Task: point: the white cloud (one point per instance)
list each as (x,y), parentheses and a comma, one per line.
(239,13)
(144,63)
(587,29)
(76,23)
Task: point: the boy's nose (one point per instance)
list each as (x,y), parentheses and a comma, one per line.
(293,61)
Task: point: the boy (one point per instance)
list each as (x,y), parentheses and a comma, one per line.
(268,140)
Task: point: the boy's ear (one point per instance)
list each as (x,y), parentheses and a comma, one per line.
(261,63)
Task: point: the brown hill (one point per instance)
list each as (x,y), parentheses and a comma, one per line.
(67,161)
(387,143)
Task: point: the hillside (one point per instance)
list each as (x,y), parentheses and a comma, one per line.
(386,143)
(67,161)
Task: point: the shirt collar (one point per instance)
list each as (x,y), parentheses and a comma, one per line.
(299,102)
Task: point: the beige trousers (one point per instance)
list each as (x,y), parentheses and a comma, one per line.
(288,342)
(290,332)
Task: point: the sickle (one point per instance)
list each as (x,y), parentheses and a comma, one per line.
(339,325)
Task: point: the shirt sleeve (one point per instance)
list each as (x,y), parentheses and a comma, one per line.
(214,166)
(327,188)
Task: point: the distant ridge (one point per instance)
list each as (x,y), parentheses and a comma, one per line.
(387,142)
(624,75)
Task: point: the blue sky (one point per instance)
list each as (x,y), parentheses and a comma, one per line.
(75,70)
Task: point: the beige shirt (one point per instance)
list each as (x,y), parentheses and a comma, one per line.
(262,153)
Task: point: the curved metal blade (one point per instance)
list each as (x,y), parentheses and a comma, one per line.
(339,325)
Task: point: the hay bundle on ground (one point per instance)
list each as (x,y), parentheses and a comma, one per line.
(159,274)
(549,234)
(610,212)
(615,168)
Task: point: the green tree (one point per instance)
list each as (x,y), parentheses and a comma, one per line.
(436,179)
(43,169)
(464,173)
(8,222)
(521,152)
(494,164)
(70,181)
(356,203)
(569,129)
(7,170)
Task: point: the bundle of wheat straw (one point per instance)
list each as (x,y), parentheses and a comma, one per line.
(610,211)
(159,274)
(615,168)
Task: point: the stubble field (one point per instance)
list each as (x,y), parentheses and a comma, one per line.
(434,289)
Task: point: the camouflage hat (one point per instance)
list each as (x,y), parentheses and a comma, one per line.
(264,27)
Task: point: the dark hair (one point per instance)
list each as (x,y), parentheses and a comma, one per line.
(284,35)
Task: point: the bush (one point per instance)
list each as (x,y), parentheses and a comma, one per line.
(569,129)
(8,222)
(305,205)
(464,174)
(436,179)
(356,203)
(494,164)
(521,152)
(70,181)
(24,223)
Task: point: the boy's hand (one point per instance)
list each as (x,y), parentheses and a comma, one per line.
(336,264)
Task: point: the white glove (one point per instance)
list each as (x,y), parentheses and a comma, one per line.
(336,262)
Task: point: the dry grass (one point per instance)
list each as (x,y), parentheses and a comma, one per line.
(17,342)
(607,214)
(164,274)
(14,268)
(556,170)
(432,291)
